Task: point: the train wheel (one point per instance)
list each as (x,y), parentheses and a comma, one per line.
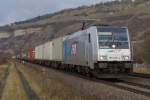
(78,69)
(87,71)
(129,70)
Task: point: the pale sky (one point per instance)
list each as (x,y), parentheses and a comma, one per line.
(17,10)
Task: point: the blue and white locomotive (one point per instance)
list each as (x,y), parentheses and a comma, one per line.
(100,49)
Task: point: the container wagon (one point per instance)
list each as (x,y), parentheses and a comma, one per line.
(50,53)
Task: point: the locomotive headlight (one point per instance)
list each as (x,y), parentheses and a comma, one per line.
(125,57)
(103,57)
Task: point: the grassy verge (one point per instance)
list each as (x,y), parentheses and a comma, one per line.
(145,70)
(13,89)
(3,69)
(50,87)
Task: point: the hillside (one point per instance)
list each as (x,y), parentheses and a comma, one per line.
(29,33)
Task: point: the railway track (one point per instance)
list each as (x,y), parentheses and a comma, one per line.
(136,84)
(142,75)
(122,84)
(130,86)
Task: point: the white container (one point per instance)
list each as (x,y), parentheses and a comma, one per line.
(24,55)
(57,50)
(47,51)
(39,52)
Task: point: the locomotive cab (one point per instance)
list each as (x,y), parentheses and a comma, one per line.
(114,50)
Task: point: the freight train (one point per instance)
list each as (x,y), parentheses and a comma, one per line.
(105,51)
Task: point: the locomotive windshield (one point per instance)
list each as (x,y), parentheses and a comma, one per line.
(116,38)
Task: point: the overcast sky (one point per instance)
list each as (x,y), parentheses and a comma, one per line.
(17,10)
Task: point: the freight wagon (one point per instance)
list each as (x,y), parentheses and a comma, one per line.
(50,53)
(102,50)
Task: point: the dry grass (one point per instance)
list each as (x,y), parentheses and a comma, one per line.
(145,70)
(50,88)
(54,85)
(3,69)
(13,89)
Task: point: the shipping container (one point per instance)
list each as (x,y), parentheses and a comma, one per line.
(47,51)
(57,50)
(39,52)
